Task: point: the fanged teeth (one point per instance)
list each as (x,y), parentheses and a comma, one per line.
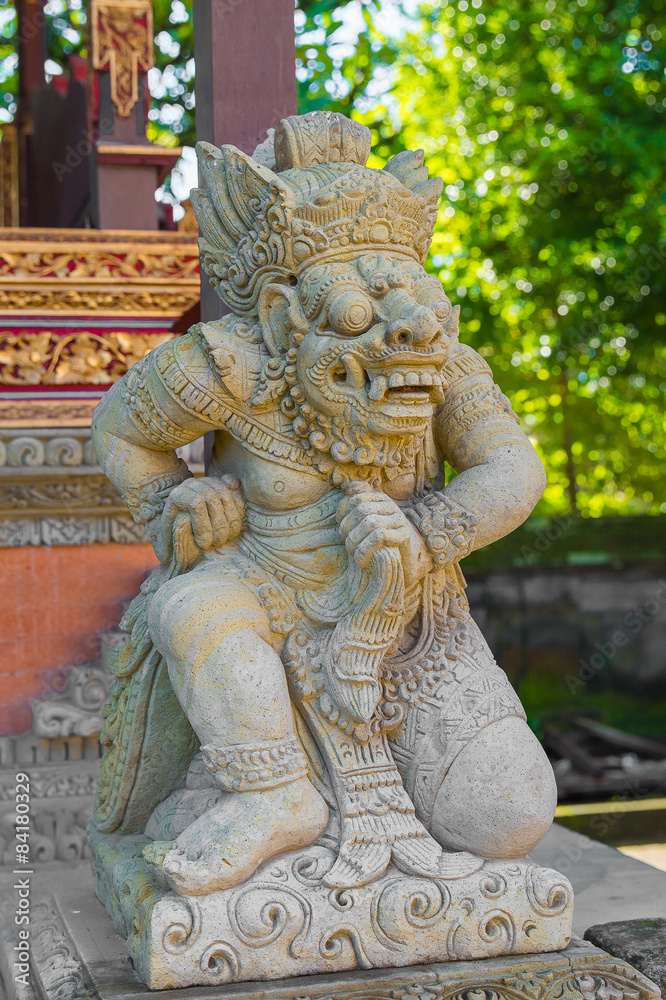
(437,394)
(379,384)
(355,371)
(378,387)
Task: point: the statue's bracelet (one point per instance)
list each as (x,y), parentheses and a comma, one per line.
(447,530)
(145,502)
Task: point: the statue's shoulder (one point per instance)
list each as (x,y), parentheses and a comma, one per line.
(471,395)
(464,363)
(221,359)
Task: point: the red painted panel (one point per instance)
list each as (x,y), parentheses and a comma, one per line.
(53,605)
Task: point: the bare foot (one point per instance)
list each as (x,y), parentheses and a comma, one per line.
(227,844)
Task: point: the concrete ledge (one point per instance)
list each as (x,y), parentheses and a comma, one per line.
(607,885)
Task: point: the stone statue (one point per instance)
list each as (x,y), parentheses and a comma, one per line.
(303,679)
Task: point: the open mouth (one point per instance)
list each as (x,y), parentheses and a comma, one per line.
(404,378)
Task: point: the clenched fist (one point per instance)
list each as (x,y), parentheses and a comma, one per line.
(369,520)
(199,515)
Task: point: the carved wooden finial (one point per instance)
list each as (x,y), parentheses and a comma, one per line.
(122,42)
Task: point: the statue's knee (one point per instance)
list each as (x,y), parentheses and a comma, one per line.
(194,612)
(499,796)
(167,612)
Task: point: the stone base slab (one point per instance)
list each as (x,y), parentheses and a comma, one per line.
(285,922)
(76,955)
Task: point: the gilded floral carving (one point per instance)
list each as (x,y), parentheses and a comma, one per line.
(73,264)
(47,358)
(97,302)
(122,37)
(100,273)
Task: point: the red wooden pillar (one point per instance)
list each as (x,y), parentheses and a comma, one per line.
(31,51)
(245,54)
(129,167)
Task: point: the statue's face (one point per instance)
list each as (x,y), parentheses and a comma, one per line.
(379,332)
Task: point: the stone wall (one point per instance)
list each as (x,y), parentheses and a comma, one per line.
(69,555)
(587,620)
(575,612)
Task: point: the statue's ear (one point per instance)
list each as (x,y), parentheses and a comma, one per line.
(281,315)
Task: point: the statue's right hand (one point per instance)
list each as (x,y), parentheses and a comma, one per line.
(199,515)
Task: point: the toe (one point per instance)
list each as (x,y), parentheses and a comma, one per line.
(172,864)
(155,852)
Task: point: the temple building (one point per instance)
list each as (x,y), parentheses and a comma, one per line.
(93,274)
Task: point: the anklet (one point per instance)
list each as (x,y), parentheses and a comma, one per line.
(254,767)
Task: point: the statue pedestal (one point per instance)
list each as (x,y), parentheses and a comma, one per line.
(76,955)
(285,922)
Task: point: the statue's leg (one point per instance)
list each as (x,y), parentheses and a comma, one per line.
(231,683)
(478,776)
(498,797)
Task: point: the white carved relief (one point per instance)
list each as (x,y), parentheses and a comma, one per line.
(47,475)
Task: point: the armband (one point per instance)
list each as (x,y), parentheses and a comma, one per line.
(145,502)
(447,530)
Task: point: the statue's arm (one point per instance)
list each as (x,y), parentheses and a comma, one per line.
(500,476)
(141,421)
(167,399)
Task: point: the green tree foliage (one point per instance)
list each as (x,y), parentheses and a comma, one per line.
(333,72)
(171,117)
(546,120)
(8,62)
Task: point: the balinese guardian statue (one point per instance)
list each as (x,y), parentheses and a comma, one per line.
(313,761)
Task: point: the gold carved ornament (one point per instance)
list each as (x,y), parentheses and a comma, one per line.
(80,359)
(101,273)
(98,302)
(20,410)
(75,264)
(122,38)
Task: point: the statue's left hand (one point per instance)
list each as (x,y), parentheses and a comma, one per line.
(369,521)
(199,515)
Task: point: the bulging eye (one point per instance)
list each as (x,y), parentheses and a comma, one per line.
(441,308)
(436,300)
(350,314)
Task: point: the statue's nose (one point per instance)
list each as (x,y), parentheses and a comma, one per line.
(414,327)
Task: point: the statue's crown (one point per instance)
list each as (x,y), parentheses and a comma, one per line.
(310,198)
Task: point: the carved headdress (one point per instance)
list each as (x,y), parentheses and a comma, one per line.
(265,219)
